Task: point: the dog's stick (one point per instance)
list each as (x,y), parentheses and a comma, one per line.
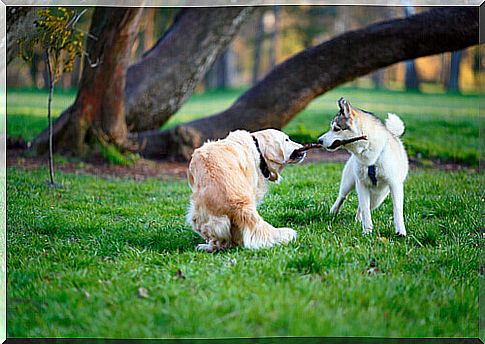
(338,143)
(353,139)
(307,147)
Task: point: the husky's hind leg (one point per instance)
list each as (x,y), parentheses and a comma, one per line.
(397,193)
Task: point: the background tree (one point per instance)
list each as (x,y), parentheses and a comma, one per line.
(275,32)
(411,76)
(453,80)
(20,25)
(258,45)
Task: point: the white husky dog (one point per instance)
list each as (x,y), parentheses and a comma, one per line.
(378,163)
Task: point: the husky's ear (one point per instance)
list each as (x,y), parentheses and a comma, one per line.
(345,108)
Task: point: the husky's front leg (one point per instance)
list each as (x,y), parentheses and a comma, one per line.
(397,193)
(346,185)
(364,205)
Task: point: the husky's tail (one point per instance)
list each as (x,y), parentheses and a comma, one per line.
(395,125)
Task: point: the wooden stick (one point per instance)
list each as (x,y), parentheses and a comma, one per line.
(338,143)
(307,147)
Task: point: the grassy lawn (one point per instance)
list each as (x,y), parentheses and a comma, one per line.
(78,255)
(439,126)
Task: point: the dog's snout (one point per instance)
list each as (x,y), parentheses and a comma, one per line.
(320,141)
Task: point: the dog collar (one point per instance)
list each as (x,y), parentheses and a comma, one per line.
(371,172)
(263,166)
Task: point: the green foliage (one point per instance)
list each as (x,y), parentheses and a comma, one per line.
(56,34)
(77,256)
(113,155)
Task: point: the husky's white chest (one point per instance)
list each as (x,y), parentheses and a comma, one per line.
(372,176)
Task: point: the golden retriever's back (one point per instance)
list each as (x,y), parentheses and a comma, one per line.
(220,173)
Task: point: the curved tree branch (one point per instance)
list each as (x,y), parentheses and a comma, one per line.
(292,85)
(158,85)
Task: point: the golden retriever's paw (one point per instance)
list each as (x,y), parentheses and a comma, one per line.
(213,246)
(205,247)
(286,234)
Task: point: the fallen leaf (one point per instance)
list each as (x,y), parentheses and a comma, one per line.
(143,293)
(179,274)
(384,240)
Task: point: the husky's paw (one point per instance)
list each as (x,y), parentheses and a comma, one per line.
(366,231)
(401,232)
(334,210)
(358,216)
(285,234)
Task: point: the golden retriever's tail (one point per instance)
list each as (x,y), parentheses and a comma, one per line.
(257,233)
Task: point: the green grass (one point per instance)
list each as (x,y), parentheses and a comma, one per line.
(439,126)
(77,256)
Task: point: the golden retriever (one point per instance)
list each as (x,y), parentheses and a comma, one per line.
(228,179)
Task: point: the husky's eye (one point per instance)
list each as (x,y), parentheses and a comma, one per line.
(336,129)
(287,140)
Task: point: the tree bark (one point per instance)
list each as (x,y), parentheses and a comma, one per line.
(20,24)
(453,81)
(411,78)
(98,111)
(273,47)
(258,46)
(288,89)
(162,81)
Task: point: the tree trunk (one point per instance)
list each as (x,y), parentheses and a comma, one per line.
(377,78)
(258,44)
(164,79)
(221,71)
(273,48)
(34,69)
(453,81)
(20,24)
(288,89)
(411,79)
(98,111)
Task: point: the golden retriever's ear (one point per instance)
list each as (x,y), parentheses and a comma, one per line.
(272,148)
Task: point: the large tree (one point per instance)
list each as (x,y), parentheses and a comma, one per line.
(289,87)
(155,87)
(98,111)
